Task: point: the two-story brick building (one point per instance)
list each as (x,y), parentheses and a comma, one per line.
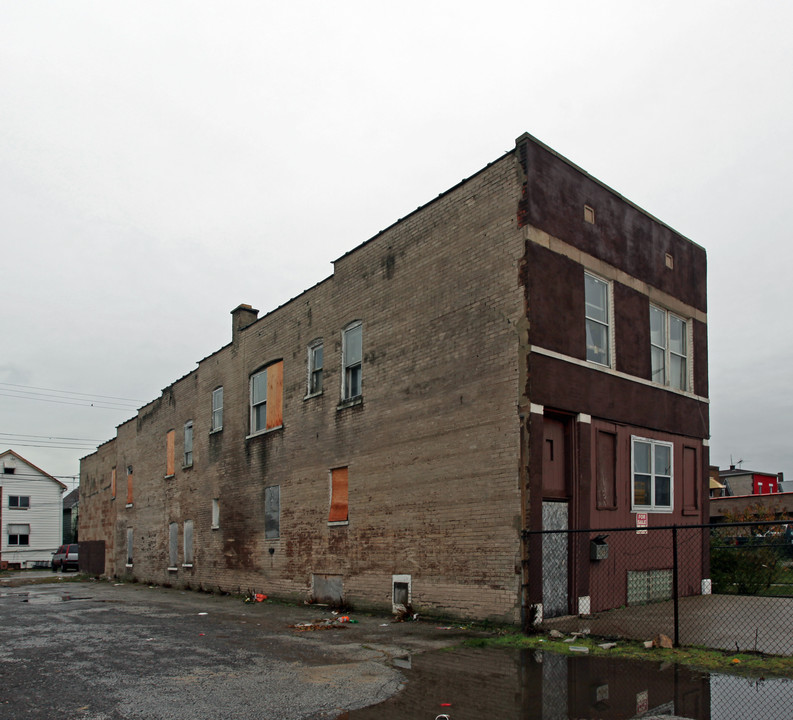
(526,351)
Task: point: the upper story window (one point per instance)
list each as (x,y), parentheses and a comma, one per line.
(217,409)
(598,323)
(188,443)
(18,502)
(315,363)
(651,476)
(170,445)
(351,358)
(267,398)
(668,348)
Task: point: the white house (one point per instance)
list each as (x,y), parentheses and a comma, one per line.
(31,512)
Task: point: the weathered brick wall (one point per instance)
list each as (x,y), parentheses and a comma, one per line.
(432,450)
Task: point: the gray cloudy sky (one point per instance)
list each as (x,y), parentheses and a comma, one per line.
(161,163)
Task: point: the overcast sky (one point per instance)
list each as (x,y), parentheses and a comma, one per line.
(163,162)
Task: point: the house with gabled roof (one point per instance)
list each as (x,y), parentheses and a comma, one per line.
(31,512)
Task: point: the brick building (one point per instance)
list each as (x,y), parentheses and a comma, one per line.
(526,351)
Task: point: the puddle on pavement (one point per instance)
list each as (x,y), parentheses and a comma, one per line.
(50,599)
(472,684)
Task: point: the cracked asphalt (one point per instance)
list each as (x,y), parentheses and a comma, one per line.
(104,651)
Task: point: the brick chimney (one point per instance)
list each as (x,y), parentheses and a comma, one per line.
(241,317)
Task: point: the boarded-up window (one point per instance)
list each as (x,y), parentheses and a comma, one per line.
(606,470)
(173,544)
(169,453)
(338,495)
(129,485)
(690,480)
(267,398)
(113,483)
(188,542)
(129,546)
(272,512)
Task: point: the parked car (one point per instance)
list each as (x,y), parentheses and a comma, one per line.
(66,557)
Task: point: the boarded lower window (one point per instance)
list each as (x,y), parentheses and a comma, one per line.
(188,542)
(272,512)
(129,546)
(690,480)
(173,544)
(338,495)
(606,470)
(646,586)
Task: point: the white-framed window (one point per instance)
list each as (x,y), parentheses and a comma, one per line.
(266,398)
(18,534)
(215,513)
(217,410)
(188,443)
(315,363)
(173,545)
(19,502)
(597,296)
(351,360)
(652,476)
(258,401)
(668,348)
(272,512)
(188,543)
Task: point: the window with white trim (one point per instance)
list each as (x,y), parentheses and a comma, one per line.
(351,359)
(668,348)
(217,409)
(651,475)
(188,443)
(315,363)
(598,320)
(258,401)
(19,502)
(18,534)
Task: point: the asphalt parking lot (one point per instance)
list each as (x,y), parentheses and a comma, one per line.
(105,651)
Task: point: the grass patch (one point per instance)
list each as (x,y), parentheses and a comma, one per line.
(748,664)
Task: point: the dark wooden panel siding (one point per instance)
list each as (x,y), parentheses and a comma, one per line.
(572,388)
(701,359)
(632,331)
(622,235)
(556,302)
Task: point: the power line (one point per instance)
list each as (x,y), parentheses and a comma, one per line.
(70,392)
(84,403)
(48,437)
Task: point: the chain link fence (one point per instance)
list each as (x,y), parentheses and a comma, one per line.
(722,586)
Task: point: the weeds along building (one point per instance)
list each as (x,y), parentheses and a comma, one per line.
(528,350)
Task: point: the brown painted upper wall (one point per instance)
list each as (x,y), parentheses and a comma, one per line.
(622,235)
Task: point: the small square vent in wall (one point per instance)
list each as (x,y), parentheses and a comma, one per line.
(589,214)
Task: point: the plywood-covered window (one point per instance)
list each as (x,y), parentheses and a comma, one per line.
(338,496)
(169,453)
(173,545)
(188,543)
(129,485)
(606,470)
(267,389)
(690,480)
(272,512)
